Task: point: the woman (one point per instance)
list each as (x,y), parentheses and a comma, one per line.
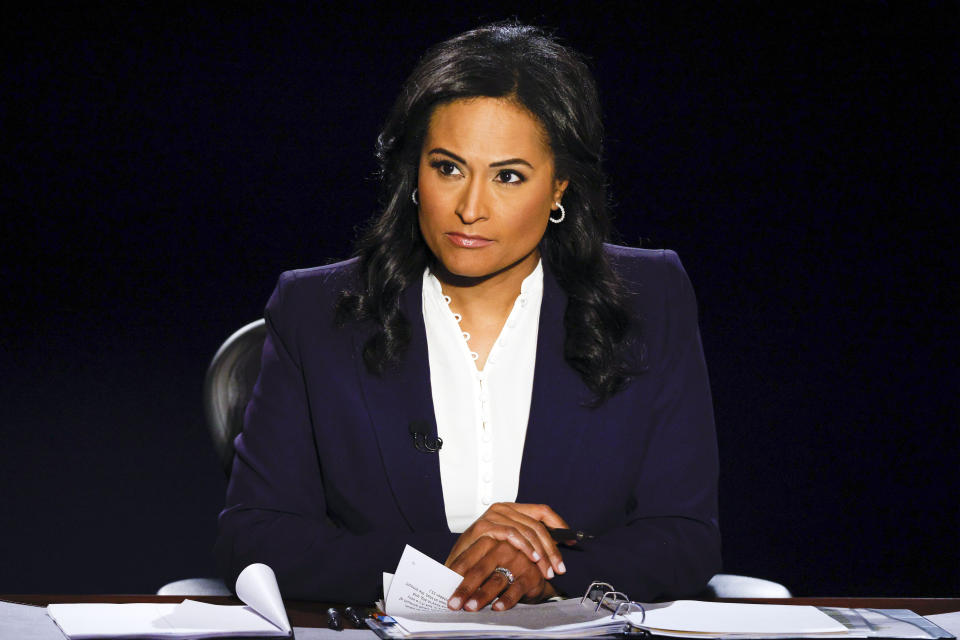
(564,377)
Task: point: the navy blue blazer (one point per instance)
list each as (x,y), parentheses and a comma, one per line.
(327,486)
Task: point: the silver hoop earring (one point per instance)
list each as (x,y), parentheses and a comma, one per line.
(563,214)
(413,196)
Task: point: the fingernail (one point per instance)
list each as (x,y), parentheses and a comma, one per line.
(536,557)
(549,573)
(561,568)
(454,603)
(472,605)
(498,606)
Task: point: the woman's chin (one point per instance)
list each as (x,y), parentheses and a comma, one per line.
(468,266)
(468,273)
(473,266)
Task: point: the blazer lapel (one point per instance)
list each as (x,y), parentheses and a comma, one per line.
(558,420)
(395,399)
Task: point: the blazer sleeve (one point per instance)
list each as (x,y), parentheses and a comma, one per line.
(276,506)
(669,546)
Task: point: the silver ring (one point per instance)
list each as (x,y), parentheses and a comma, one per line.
(506,573)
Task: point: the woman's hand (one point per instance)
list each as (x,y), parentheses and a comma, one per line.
(482,583)
(524,526)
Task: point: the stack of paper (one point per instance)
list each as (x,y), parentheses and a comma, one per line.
(726,619)
(257,586)
(416,597)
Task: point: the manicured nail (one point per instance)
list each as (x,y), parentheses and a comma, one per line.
(536,557)
(498,606)
(454,603)
(561,568)
(549,573)
(472,605)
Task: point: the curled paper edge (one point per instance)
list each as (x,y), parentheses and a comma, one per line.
(257,587)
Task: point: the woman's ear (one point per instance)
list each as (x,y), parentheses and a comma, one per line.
(559,187)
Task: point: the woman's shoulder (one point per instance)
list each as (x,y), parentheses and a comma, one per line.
(644,265)
(657,288)
(328,278)
(312,291)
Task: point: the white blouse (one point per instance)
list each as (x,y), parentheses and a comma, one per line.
(481,415)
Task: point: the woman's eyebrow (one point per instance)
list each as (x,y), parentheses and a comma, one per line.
(500,163)
(503,163)
(443,151)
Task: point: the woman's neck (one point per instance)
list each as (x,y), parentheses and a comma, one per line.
(484,304)
(492,296)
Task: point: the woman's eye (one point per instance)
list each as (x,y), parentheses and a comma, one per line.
(509,177)
(445,168)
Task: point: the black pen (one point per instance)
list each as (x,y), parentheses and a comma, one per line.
(354,616)
(569,535)
(333,619)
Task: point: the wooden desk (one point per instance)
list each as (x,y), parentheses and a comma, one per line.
(303,613)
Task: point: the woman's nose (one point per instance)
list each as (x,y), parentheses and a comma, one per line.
(471,207)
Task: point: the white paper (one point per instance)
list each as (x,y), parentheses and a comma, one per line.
(199,618)
(416,598)
(420,585)
(568,619)
(257,586)
(111,620)
(947,621)
(730,617)
(387,581)
(557,619)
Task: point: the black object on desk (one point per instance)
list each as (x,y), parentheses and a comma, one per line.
(334,621)
(355,618)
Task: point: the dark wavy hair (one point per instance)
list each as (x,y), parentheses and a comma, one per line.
(522,64)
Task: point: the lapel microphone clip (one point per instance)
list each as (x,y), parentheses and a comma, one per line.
(422,440)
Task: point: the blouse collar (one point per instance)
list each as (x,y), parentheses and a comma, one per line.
(531,285)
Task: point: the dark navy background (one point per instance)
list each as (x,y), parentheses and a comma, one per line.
(161,167)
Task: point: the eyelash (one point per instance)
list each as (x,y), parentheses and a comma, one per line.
(445,167)
(519,175)
(442,165)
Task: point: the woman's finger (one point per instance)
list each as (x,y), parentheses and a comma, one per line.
(482,583)
(545,554)
(530,515)
(543,513)
(466,564)
(524,586)
(506,531)
(495,584)
(526,579)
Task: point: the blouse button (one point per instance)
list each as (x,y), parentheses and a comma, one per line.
(487,499)
(487,456)
(486,436)
(487,476)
